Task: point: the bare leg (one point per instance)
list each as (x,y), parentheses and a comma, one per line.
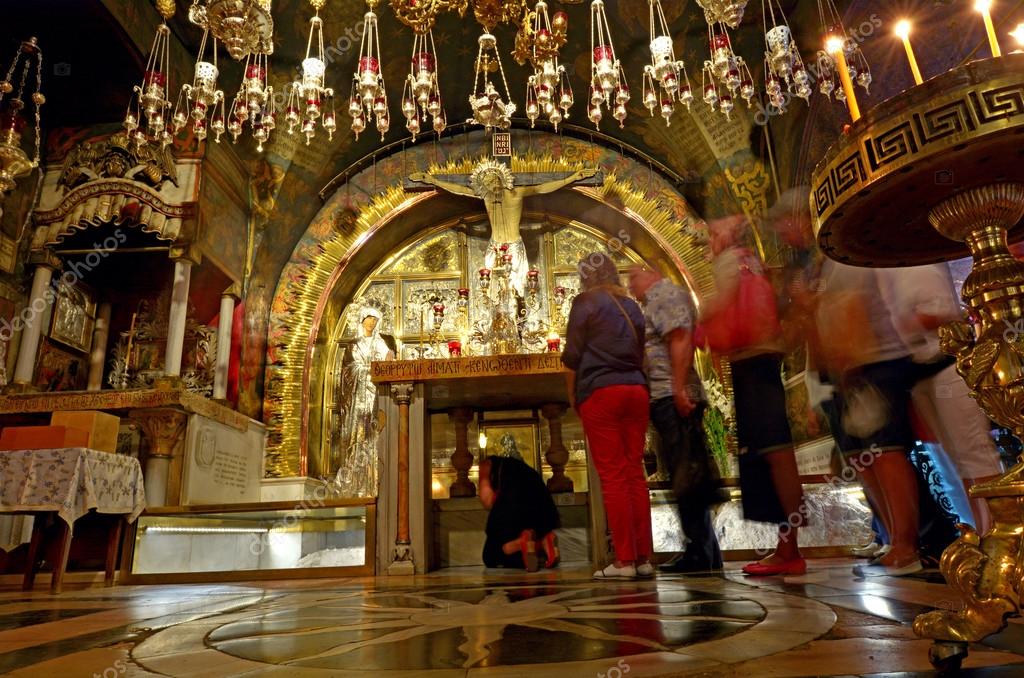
(898,485)
(786,478)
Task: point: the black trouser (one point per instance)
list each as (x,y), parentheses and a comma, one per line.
(693,479)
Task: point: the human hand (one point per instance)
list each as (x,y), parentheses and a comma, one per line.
(587,172)
(684,406)
(418,176)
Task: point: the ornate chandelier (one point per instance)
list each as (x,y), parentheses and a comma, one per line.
(309,90)
(728,12)
(548,91)
(784,69)
(489,107)
(243,26)
(857,64)
(726,74)
(146,118)
(608,86)
(202,98)
(14,162)
(369,97)
(665,79)
(254,102)
(421,98)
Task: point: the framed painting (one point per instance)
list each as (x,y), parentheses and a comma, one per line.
(58,369)
(74,315)
(513,439)
(148,355)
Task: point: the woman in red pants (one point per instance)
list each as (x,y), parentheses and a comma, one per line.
(607,387)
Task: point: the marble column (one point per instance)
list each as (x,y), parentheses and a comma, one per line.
(164,429)
(38,302)
(403,562)
(176,322)
(227,313)
(557,455)
(462,458)
(98,354)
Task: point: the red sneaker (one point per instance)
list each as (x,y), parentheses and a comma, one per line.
(550,545)
(796,566)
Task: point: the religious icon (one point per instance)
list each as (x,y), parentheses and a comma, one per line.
(359,421)
(74,314)
(494,183)
(59,370)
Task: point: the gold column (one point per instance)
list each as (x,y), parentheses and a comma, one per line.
(462,458)
(403,564)
(985,569)
(557,455)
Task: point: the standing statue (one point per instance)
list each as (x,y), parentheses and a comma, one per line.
(494,183)
(360,421)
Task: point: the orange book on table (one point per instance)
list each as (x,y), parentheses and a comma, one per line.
(42,438)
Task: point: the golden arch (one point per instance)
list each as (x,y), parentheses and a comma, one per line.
(657,227)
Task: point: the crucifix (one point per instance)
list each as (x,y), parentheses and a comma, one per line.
(495,184)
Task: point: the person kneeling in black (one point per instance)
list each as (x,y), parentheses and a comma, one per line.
(522,516)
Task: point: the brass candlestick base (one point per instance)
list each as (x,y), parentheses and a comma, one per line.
(915,180)
(986,570)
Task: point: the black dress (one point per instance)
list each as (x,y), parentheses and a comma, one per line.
(523,503)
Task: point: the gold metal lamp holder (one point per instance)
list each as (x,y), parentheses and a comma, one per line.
(932,175)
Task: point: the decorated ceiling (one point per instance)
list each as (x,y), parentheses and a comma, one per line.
(721,166)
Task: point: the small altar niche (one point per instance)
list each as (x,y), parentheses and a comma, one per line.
(459,520)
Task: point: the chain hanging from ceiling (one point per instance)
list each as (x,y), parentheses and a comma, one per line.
(828,74)
(665,78)
(548,90)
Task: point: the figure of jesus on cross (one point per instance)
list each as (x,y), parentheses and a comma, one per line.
(494,183)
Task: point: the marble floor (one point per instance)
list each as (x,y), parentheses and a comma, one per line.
(474,623)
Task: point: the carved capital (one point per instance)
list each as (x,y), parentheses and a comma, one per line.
(164,428)
(402,393)
(45,257)
(235,292)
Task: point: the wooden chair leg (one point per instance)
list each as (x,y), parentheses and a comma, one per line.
(39,521)
(61,562)
(113,540)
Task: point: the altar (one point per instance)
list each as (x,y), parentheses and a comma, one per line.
(462,388)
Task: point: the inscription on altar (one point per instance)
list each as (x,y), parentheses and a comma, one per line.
(222,465)
(231,469)
(458,368)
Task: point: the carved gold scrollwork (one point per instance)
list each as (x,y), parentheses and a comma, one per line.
(420,15)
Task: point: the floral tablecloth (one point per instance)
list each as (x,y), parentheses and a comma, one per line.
(71,481)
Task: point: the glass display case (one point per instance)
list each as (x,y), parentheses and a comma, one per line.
(282,540)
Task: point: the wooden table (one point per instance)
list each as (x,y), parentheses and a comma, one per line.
(64,484)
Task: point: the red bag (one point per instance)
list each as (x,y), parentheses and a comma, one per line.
(751,318)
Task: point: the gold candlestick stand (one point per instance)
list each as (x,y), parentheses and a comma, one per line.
(931,175)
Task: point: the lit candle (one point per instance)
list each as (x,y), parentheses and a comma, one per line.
(454,348)
(1018,34)
(834,45)
(554,343)
(984,6)
(903,32)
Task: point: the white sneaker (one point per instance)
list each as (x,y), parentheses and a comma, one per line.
(867,551)
(612,572)
(645,570)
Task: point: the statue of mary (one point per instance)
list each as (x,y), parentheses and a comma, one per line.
(360,422)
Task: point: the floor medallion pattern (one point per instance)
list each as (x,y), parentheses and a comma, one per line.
(493,629)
